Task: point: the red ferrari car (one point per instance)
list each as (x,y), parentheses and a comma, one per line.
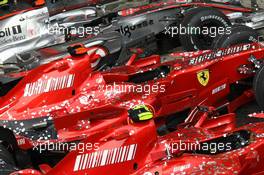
(66,101)
(168,85)
(212,147)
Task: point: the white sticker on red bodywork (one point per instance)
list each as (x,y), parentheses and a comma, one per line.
(48,85)
(181,168)
(105,157)
(209,56)
(21,141)
(219,89)
(97,51)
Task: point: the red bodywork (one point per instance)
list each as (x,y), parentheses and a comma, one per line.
(71,93)
(137,149)
(226,8)
(81,107)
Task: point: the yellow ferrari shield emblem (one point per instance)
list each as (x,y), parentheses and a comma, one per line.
(203,77)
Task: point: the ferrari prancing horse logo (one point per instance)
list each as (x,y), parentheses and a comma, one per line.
(203,77)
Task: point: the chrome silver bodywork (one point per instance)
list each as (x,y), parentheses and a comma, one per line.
(29,32)
(254,20)
(24,32)
(34,30)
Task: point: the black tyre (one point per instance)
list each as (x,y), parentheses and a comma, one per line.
(203,25)
(5,155)
(238,34)
(258,86)
(7,163)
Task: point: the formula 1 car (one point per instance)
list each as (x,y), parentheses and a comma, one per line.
(151,26)
(42,26)
(136,148)
(67,100)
